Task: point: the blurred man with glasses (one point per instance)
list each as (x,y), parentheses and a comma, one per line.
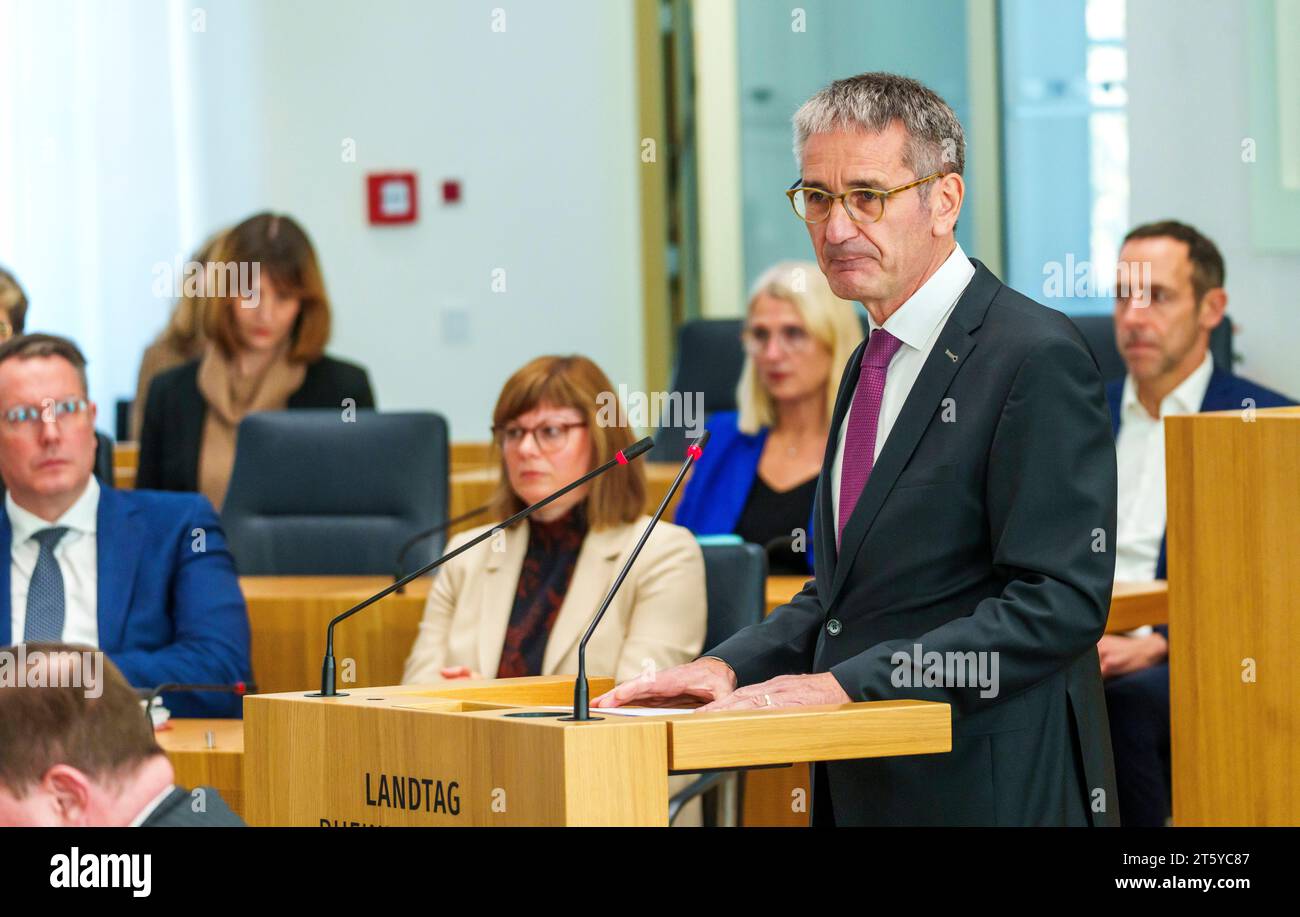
(966,503)
(143,576)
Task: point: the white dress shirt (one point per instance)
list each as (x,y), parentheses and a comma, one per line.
(78,556)
(152,806)
(1140,454)
(917,324)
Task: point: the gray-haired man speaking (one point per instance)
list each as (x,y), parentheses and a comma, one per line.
(966,506)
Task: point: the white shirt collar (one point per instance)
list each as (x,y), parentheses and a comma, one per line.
(81,516)
(149,809)
(1187,398)
(916,320)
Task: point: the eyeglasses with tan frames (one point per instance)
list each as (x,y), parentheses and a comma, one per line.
(863,205)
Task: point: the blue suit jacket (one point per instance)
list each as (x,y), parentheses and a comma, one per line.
(723,476)
(1225,392)
(168,611)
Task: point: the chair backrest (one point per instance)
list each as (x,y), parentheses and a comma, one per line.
(735,577)
(709,360)
(313,494)
(104,459)
(1099,332)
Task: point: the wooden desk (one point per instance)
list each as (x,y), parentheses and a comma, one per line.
(464,457)
(473,487)
(221,766)
(126,459)
(1134,605)
(288,616)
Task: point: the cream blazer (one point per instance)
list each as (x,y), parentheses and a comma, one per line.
(657,618)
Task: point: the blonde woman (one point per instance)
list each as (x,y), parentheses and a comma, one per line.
(520,607)
(758,477)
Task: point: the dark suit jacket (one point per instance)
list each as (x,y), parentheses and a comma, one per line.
(177,811)
(973,535)
(167,611)
(174,414)
(1225,392)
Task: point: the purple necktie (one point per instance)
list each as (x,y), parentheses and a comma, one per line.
(860,440)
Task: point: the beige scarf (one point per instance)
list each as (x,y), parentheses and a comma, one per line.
(231,396)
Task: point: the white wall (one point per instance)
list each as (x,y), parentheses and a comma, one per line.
(1188,114)
(538,123)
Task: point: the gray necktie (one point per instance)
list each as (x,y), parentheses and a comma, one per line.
(45,606)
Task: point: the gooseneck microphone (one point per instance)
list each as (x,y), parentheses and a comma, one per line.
(149,695)
(429,533)
(327,689)
(581,690)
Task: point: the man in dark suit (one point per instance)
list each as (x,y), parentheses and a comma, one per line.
(966,505)
(76,749)
(1170,297)
(144,576)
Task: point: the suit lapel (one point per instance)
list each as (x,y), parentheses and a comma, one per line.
(501,577)
(918,410)
(6,608)
(593,574)
(1218,393)
(118,539)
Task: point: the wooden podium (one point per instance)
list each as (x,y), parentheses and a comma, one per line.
(1234,616)
(489,753)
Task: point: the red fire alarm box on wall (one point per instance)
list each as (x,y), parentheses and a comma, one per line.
(393,197)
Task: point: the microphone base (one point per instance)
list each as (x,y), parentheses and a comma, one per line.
(574,719)
(323,694)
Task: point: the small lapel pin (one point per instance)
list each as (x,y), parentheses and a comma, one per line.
(951,356)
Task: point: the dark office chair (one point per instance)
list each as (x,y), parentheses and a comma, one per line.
(735,581)
(104,459)
(1099,332)
(312,494)
(709,360)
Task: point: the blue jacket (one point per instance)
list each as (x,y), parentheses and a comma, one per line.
(722,478)
(1225,392)
(169,606)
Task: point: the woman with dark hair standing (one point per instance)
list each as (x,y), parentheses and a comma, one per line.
(265,351)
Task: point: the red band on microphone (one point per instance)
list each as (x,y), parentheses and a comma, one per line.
(694,451)
(622,459)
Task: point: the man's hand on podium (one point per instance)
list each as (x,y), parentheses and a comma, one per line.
(689,685)
(711,682)
(784,691)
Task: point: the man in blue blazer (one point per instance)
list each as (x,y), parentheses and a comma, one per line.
(144,576)
(1162,328)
